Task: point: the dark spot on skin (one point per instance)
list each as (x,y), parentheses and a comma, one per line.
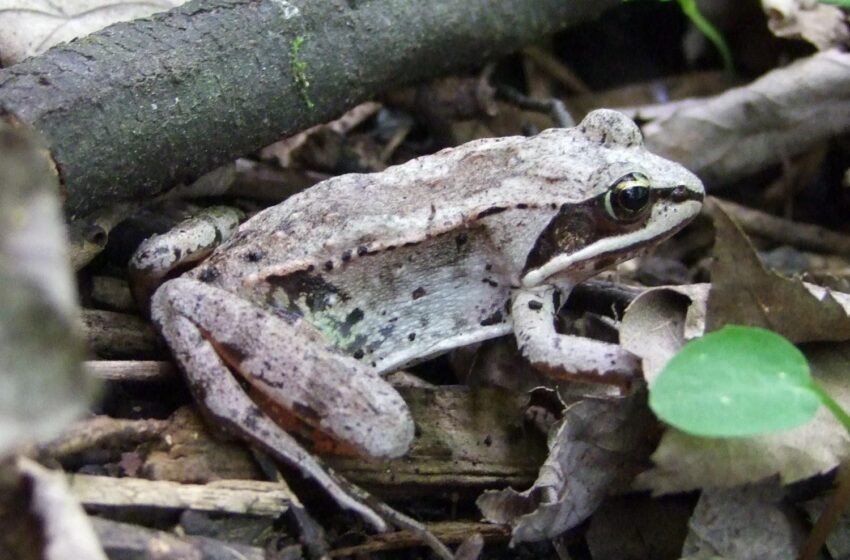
(461,240)
(394,319)
(553,206)
(177,253)
(346,256)
(490,283)
(604,138)
(493,319)
(254,256)
(355,316)
(358,354)
(311,268)
(491,211)
(411,337)
(535,305)
(160,250)
(362,250)
(488,267)
(410,244)
(208,274)
(230,353)
(387,330)
(305,414)
(522,206)
(317,292)
(418,292)
(329,265)
(251,416)
(488,441)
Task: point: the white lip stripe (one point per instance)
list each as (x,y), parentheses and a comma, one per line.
(537,276)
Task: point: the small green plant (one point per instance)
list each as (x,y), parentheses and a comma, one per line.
(299,71)
(737,382)
(690,9)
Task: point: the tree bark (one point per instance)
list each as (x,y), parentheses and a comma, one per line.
(135,108)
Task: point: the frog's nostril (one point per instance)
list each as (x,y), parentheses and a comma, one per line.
(680,194)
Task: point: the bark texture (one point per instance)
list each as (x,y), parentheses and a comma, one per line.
(139,106)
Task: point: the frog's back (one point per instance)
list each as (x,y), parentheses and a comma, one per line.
(424,197)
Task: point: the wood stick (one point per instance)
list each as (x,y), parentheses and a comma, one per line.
(140,106)
(144,371)
(248,497)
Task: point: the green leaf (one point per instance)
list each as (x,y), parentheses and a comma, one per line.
(738,381)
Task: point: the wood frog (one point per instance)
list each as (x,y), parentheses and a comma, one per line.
(312,300)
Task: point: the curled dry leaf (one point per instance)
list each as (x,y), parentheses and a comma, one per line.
(586,452)
(744,130)
(30,27)
(820,24)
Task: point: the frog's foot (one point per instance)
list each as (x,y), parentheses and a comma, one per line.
(215,335)
(566,356)
(189,242)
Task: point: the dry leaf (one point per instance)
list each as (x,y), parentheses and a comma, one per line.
(42,519)
(747,129)
(30,27)
(744,292)
(42,386)
(746,523)
(822,25)
(585,454)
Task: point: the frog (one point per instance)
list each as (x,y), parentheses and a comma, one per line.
(287,329)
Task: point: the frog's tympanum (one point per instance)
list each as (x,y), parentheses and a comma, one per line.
(312,300)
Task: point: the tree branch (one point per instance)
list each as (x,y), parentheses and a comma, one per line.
(140,106)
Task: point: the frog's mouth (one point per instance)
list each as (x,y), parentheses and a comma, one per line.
(579,241)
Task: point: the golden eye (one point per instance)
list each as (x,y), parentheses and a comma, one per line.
(629,198)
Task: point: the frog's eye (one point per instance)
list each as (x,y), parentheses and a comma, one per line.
(629,198)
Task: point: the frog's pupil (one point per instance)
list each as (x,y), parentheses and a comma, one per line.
(634,198)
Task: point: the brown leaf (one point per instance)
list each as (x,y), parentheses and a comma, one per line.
(30,27)
(585,456)
(744,292)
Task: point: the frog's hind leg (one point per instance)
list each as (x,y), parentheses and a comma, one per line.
(210,329)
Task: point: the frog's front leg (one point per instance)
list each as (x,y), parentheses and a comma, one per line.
(214,335)
(566,356)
